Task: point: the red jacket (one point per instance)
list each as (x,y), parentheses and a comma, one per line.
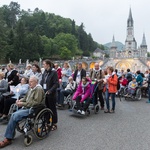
(59,72)
(124,81)
(112,83)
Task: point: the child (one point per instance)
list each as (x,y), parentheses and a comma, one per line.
(132,87)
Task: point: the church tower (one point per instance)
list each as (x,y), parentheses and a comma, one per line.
(143,47)
(130,43)
(113,48)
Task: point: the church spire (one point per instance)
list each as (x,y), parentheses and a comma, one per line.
(130,19)
(144,40)
(113,44)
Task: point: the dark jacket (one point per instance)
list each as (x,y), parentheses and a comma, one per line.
(50,78)
(83,74)
(148,80)
(13,77)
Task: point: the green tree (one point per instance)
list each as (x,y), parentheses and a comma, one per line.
(65,53)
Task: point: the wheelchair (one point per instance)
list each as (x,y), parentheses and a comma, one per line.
(92,106)
(68,101)
(39,121)
(136,96)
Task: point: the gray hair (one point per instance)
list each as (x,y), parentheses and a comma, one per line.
(35,78)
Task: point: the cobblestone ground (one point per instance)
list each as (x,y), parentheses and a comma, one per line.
(127,129)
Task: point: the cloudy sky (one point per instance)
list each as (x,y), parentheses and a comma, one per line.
(102,18)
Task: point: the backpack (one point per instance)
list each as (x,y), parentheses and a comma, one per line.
(118,82)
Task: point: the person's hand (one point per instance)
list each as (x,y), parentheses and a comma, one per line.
(11,92)
(18,103)
(47,92)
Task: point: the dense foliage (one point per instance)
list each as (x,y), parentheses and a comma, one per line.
(37,34)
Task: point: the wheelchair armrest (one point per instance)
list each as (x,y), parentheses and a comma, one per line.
(35,109)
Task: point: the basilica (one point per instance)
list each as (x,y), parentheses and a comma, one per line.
(130,50)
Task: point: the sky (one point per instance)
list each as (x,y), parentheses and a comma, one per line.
(101,18)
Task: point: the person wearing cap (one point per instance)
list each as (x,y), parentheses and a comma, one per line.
(79,73)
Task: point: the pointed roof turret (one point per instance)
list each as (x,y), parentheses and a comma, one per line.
(113,44)
(130,19)
(143,40)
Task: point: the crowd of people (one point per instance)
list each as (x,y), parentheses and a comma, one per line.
(53,83)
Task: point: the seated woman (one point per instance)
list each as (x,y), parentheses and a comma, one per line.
(83,94)
(65,92)
(19,91)
(3,85)
(132,87)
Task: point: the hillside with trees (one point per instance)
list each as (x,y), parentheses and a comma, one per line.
(38,34)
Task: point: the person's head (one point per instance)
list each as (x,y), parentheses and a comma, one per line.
(122,71)
(2,75)
(10,66)
(146,72)
(29,66)
(134,79)
(123,76)
(24,80)
(96,66)
(138,72)
(70,79)
(47,64)
(116,70)
(36,68)
(66,65)
(128,70)
(79,66)
(55,65)
(84,80)
(33,81)
(110,70)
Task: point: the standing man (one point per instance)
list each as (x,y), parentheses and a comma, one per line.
(79,74)
(50,83)
(97,75)
(34,96)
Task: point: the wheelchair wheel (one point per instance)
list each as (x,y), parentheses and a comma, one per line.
(138,94)
(28,140)
(125,91)
(43,123)
(96,109)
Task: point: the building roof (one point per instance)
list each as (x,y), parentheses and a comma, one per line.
(98,50)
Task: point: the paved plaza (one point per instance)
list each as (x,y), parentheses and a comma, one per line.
(127,129)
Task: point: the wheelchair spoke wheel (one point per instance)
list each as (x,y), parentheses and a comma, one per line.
(43,123)
(138,94)
(96,109)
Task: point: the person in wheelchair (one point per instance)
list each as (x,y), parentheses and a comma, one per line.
(131,88)
(71,86)
(34,97)
(10,98)
(83,96)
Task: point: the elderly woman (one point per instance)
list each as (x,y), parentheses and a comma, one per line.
(66,73)
(3,84)
(70,88)
(11,75)
(18,91)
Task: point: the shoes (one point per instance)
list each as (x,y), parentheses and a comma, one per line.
(102,108)
(126,95)
(3,119)
(5,143)
(112,111)
(79,111)
(82,112)
(107,111)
